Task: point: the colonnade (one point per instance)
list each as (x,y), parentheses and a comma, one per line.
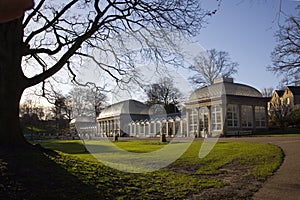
(109,127)
(156,127)
(197,121)
(87,130)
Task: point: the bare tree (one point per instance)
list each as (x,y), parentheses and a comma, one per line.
(99,100)
(279,113)
(86,101)
(31,108)
(58,35)
(211,65)
(164,92)
(267,92)
(286,55)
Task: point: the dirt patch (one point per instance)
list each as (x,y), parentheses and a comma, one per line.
(239,184)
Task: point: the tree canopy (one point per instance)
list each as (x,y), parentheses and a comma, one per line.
(86,101)
(63,34)
(60,35)
(286,54)
(211,65)
(165,93)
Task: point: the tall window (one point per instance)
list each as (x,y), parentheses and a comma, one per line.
(146,128)
(141,128)
(232,115)
(216,123)
(158,127)
(193,120)
(152,128)
(203,118)
(260,117)
(247,116)
(184,126)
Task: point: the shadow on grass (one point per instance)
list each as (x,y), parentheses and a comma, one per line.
(31,174)
(69,147)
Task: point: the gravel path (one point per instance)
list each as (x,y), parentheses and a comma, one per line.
(285,184)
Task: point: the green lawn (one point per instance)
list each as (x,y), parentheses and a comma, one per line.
(77,171)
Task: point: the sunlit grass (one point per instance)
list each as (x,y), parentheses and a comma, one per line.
(72,171)
(186,177)
(261,158)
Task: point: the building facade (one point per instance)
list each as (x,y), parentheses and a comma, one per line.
(115,119)
(223,108)
(283,102)
(276,101)
(226,108)
(291,96)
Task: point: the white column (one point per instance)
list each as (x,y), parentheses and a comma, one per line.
(167,128)
(114,125)
(174,126)
(149,128)
(198,124)
(130,129)
(187,123)
(135,129)
(160,128)
(138,129)
(181,127)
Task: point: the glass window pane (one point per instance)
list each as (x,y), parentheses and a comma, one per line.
(232,115)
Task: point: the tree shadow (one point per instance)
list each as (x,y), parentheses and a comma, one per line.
(32,174)
(68,147)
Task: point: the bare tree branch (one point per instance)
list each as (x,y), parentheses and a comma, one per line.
(64,31)
(286,55)
(211,65)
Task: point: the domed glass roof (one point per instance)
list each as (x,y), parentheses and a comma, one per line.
(125,107)
(224,86)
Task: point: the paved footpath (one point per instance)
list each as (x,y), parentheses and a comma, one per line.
(285,183)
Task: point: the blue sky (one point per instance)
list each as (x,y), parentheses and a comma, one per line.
(245,29)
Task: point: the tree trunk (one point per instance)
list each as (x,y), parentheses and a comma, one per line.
(12,83)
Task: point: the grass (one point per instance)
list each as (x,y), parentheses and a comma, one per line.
(71,170)
(262,159)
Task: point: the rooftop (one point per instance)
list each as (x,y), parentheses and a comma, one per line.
(294,89)
(279,92)
(124,107)
(224,86)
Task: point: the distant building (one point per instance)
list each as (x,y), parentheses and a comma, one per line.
(115,119)
(226,108)
(284,101)
(291,96)
(134,118)
(83,126)
(276,101)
